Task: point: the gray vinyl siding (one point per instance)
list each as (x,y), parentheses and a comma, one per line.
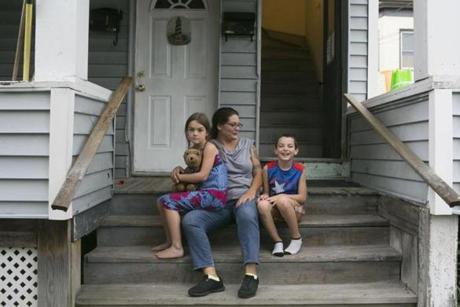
(24,154)
(238,71)
(456,135)
(358,48)
(107,65)
(375,164)
(96,186)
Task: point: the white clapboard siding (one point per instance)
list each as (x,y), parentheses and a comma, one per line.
(107,65)
(238,71)
(358,48)
(99,176)
(375,164)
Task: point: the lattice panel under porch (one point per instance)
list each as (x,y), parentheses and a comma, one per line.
(18,277)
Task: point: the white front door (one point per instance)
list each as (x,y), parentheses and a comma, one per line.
(178,80)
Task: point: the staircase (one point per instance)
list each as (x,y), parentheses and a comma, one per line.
(290,100)
(346,259)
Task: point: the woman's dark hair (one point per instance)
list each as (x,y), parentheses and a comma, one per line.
(221,117)
(201,118)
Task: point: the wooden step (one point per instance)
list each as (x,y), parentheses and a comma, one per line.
(386,293)
(321,200)
(316,230)
(332,264)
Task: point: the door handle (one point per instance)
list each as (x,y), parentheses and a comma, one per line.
(139,86)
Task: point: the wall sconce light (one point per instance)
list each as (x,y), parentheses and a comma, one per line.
(238,24)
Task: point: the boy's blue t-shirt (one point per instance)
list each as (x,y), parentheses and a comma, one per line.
(284,182)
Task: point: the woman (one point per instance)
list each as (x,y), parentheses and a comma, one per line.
(244,181)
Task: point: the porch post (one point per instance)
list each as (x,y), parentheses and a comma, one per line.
(61,40)
(437,43)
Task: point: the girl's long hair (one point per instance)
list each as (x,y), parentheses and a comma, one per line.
(201,118)
(221,117)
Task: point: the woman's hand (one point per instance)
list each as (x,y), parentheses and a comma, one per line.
(247,196)
(175,174)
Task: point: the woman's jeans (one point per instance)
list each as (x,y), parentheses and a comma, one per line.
(198,223)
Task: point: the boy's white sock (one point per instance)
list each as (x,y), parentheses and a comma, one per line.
(294,247)
(278,249)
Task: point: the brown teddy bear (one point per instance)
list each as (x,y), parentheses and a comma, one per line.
(192,158)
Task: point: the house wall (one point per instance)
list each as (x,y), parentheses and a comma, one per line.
(239,79)
(456,135)
(28,144)
(107,65)
(358,48)
(10,15)
(24,154)
(374,163)
(314,33)
(286,17)
(96,186)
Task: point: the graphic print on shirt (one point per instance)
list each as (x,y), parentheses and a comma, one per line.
(284,181)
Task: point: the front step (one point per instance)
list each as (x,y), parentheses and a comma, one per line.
(313,265)
(379,294)
(315,229)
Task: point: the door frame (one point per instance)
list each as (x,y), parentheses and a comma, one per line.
(129,126)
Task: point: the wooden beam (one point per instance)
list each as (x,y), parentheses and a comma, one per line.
(17,55)
(448,194)
(58,265)
(78,170)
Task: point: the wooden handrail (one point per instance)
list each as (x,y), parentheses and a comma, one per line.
(449,195)
(79,168)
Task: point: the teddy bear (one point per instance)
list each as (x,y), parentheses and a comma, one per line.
(192,158)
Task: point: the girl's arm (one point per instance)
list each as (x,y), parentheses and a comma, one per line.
(301,195)
(256,179)
(209,153)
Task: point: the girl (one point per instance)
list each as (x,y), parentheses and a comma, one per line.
(285,192)
(211,194)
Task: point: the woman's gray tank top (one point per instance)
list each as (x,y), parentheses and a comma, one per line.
(239,167)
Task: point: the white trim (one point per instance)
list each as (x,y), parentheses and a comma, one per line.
(373,48)
(259,68)
(440,131)
(85,88)
(62,104)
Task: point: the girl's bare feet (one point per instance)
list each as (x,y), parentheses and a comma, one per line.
(161,246)
(171,252)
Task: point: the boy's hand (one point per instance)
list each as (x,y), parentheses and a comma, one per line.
(263,197)
(273,199)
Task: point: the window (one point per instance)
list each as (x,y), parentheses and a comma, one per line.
(406,55)
(179,4)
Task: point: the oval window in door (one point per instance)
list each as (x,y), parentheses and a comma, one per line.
(178,4)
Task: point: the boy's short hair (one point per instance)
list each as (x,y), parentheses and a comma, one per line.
(287,135)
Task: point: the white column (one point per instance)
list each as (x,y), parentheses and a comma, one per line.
(441,144)
(373,49)
(61,40)
(437,43)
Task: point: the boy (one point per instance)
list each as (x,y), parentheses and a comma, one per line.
(285,191)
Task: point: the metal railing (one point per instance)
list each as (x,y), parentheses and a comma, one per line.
(449,195)
(79,168)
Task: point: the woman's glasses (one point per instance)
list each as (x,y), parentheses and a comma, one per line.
(235,125)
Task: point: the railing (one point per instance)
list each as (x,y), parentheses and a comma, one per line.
(79,168)
(449,195)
